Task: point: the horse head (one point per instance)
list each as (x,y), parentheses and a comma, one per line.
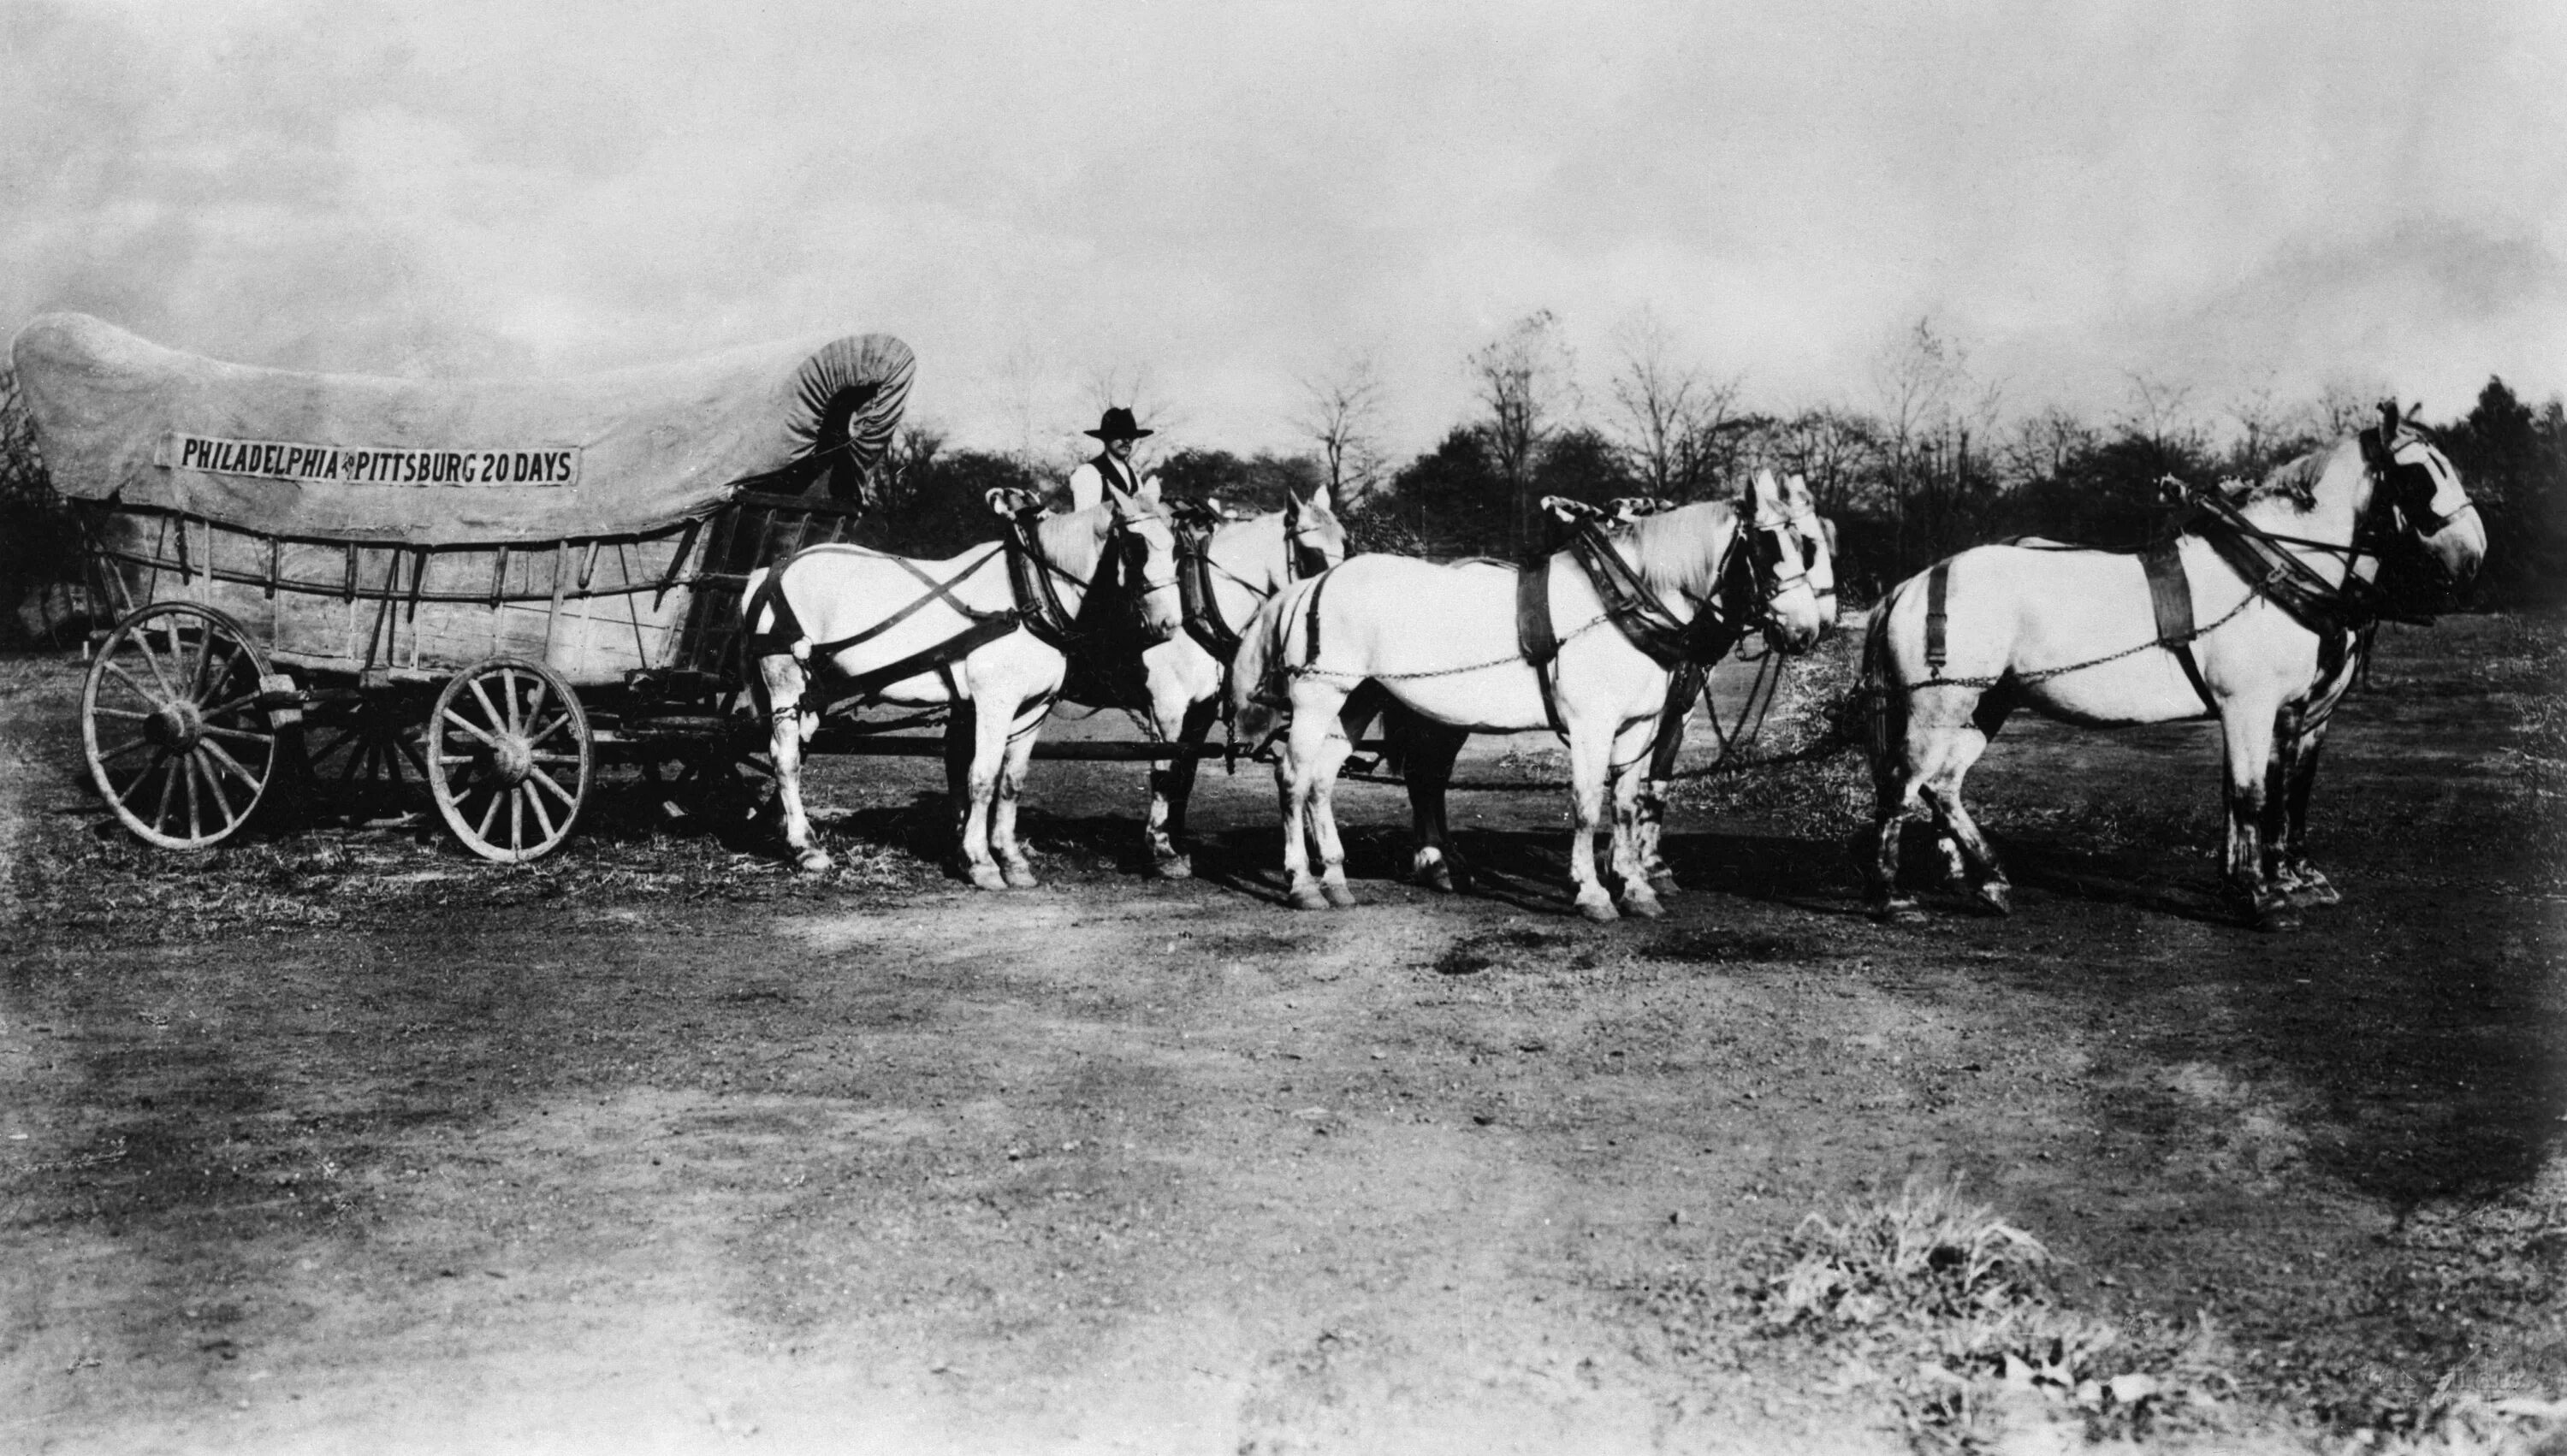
(1785,544)
(1817,537)
(1142,527)
(1314,539)
(2426,493)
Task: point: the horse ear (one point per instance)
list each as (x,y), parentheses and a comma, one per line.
(1796,494)
(1319,500)
(1149,492)
(1004,500)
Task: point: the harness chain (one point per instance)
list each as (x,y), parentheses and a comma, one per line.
(2263,561)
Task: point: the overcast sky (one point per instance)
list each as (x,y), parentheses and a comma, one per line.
(1229,196)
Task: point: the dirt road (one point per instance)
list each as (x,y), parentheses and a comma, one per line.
(343,1141)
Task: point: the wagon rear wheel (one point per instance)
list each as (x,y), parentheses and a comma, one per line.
(365,758)
(509,759)
(173,726)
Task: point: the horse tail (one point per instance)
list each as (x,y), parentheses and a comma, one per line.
(1885,701)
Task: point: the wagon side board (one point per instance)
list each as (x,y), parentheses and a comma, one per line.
(595,609)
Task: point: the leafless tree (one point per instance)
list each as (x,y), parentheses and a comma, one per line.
(2346,405)
(2041,445)
(1672,421)
(1341,413)
(2159,410)
(1834,450)
(1525,379)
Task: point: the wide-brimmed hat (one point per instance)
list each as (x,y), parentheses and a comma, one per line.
(1119,425)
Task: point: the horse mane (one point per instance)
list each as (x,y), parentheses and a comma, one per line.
(1075,541)
(2294,480)
(1680,550)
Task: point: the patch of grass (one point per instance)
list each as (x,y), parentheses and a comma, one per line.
(92,878)
(1944,1314)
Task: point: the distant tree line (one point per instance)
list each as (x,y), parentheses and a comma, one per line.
(1928,464)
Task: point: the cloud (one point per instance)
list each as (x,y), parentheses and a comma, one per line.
(1232,195)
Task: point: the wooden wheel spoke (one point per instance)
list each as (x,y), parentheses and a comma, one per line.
(195,822)
(231,705)
(142,644)
(533,776)
(213,753)
(517,819)
(237,736)
(217,791)
(133,682)
(465,723)
(482,831)
(535,801)
(489,713)
(168,786)
(535,703)
(124,713)
(550,728)
(509,700)
(411,751)
(159,755)
(110,756)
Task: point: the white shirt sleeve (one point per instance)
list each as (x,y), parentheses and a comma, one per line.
(1086,487)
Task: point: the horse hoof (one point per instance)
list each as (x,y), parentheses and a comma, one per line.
(1597,908)
(1906,912)
(1307,897)
(1997,899)
(813,861)
(986,877)
(1643,907)
(1019,877)
(2276,919)
(2314,893)
(1337,893)
(1436,877)
(1174,867)
(1663,884)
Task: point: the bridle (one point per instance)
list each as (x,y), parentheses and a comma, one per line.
(1036,578)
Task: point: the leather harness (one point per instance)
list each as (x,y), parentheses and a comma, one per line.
(1039,610)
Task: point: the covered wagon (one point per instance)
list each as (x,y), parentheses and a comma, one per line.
(485,585)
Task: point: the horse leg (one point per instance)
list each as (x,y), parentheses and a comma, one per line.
(1172,787)
(2246,740)
(1334,751)
(785,679)
(2301,881)
(1648,828)
(1966,850)
(979,787)
(1914,738)
(1588,755)
(1432,748)
(1014,759)
(1304,741)
(1631,858)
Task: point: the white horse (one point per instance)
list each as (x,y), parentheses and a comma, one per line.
(983,628)
(1444,643)
(2074,635)
(1225,576)
(1426,752)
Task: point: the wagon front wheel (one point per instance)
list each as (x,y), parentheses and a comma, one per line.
(509,759)
(174,727)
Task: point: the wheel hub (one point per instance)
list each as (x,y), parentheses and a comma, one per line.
(512,759)
(176,725)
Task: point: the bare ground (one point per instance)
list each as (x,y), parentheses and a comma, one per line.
(341,1140)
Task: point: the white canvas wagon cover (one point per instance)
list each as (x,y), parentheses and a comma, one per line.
(433,463)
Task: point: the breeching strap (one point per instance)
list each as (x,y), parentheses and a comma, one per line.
(1535,638)
(2171,598)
